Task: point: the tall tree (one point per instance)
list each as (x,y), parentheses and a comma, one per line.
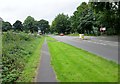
(78,19)
(29,24)
(18,25)
(109,12)
(6,26)
(43,26)
(52,27)
(61,24)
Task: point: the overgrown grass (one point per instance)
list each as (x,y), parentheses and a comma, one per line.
(72,64)
(18,51)
(29,72)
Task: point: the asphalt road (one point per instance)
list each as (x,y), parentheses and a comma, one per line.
(104,46)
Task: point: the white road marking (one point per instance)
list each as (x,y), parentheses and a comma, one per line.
(96,42)
(104,43)
(101,42)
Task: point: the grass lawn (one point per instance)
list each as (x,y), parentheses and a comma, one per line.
(29,72)
(72,64)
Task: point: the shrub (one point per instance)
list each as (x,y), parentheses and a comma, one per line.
(17,47)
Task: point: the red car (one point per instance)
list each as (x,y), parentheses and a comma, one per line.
(61,34)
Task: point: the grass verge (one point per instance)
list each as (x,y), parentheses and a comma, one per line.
(74,34)
(77,34)
(72,64)
(29,72)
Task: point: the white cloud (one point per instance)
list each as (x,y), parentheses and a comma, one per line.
(12,10)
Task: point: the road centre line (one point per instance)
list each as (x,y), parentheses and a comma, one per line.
(103,43)
(96,42)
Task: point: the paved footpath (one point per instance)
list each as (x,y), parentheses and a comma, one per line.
(45,71)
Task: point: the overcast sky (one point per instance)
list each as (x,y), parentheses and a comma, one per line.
(12,10)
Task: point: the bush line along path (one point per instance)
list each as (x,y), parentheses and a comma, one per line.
(29,73)
(20,56)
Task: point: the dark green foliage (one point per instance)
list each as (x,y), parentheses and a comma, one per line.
(6,26)
(89,18)
(43,26)
(83,19)
(61,24)
(108,15)
(15,52)
(18,26)
(29,24)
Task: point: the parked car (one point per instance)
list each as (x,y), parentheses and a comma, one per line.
(61,34)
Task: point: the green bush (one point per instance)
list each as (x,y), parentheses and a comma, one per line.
(16,49)
(110,31)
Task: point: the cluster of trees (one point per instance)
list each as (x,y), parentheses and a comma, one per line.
(89,18)
(108,15)
(29,25)
(61,24)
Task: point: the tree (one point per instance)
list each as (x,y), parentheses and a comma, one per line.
(36,26)
(86,22)
(80,21)
(18,25)
(109,12)
(61,24)
(72,24)
(43,26)
(6,26)
(29,24)
(52,27)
